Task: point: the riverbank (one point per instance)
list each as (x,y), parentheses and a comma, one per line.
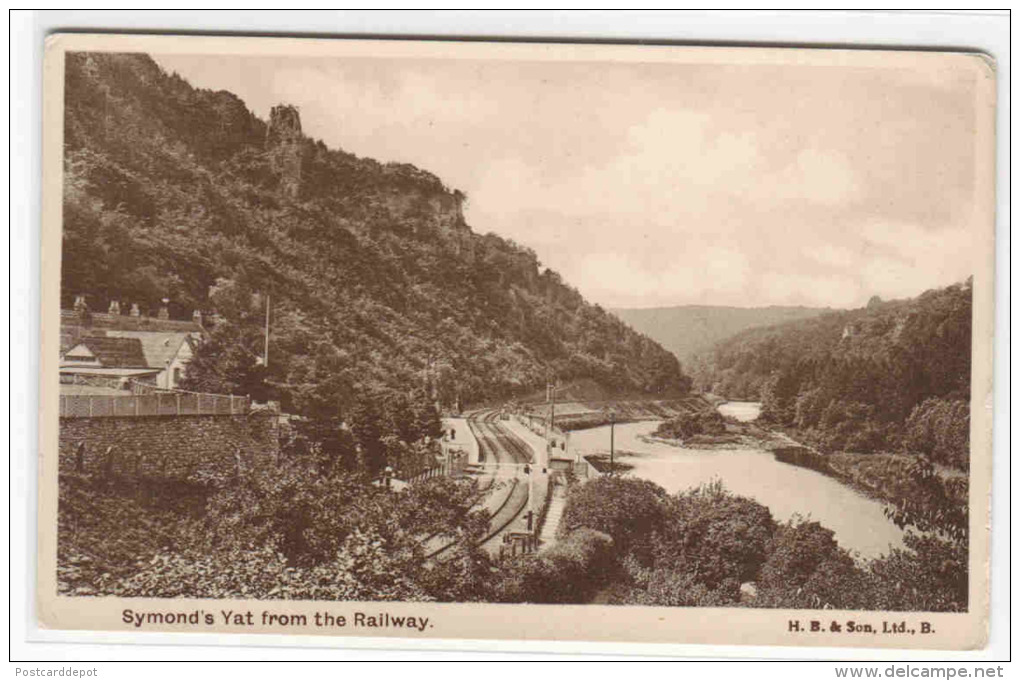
(882,476)
(754,472)
(706,442)
(574,415)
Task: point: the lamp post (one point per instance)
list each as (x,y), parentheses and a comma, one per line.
(388,475)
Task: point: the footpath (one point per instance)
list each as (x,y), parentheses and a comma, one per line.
(553,516)
(463,438)
(545,490)
(534,440)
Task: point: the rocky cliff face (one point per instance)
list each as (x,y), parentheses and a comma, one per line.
(434,210)
(437,211)
(286,147)
(284,125)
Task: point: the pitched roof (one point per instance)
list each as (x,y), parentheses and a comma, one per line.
(158,348)
(116,352)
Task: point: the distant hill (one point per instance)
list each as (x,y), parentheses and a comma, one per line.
(688,330)
(374,280)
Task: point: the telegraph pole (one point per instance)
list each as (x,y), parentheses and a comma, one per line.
(612,440)
(265,356)
(552,409)
(550,397)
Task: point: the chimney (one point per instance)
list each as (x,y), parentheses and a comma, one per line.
(196,317)
(81,310)
(115,307)
(135,312)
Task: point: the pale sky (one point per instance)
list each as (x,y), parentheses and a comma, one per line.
(650,185)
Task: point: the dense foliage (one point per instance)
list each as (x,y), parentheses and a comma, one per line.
(571,571)
(278,531)
(289,531)
(891,376)
(374,282)
(689,424)
(708,547)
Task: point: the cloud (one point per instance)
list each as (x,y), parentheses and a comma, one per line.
(815,176)
(700,272)
(835,256)
(668,183)
(794,288)
(905,255)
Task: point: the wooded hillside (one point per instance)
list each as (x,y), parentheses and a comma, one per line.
(375,280)
(893,375)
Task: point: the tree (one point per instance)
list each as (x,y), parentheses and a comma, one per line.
(933,572)
(806,568)
(714,535)
(627,509)
(224,364)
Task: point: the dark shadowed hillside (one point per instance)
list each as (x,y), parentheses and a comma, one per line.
(687,330)
(374,279)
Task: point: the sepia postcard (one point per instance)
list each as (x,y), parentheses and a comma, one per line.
(516,341)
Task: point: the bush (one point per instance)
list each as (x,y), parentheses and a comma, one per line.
(277,532)
(930,575)
(689,424)
(627,509)
(714,535)
(806,568)
(109,527)
(465,574)
(682,589)
(571,571)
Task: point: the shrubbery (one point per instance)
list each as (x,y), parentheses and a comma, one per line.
(283,531)
(571,571)
(806,568)
(696,548)
(288,532)
(689,424)
(714,535)
(625,508)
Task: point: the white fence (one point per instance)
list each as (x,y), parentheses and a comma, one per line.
(157,404)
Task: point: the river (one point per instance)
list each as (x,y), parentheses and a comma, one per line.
(858,521)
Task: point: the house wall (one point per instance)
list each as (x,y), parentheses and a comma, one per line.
(80,355)
(180,361)
(197,448)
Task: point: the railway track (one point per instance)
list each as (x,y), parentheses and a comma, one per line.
(498,447)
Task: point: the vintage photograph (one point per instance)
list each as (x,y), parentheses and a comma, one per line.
(641,329)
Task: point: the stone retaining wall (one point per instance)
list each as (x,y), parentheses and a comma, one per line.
(198,448)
